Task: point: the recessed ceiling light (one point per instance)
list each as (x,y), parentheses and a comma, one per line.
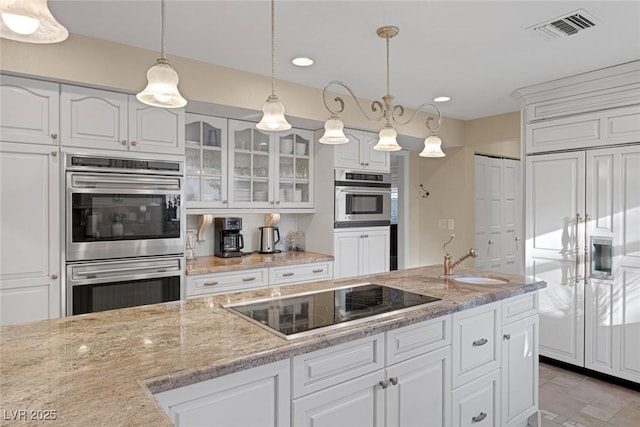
(302,61)
(442,99)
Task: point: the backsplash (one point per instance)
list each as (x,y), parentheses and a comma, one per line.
(250,231)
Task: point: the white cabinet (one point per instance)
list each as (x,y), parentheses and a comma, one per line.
(29,110)
(358,153)
(268,170)
(519,371)
(361,251)
(300,273)
(206,161)
(498,232)
(93,118)
(255,397)
(29,232)
(478,402)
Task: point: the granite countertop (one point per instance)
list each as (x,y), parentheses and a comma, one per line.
(213,264)
(101,368)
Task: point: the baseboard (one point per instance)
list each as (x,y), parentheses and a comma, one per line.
(594,374)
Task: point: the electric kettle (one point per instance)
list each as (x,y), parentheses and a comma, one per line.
(269,236)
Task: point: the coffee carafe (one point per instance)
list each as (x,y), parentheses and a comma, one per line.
(227,239)
(269,237)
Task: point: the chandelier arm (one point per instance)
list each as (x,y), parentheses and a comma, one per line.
(429,119)
(339,100)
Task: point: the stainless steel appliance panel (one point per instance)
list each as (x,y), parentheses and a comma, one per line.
(602,257)
(362,199)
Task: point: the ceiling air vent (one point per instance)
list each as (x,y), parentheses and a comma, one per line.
(566,25)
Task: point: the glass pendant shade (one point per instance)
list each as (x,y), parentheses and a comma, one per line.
(273,116)
(387,140)
(162,87)
(334,132)
(432,147)
(30,21)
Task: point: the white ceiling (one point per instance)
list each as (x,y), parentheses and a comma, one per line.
(477,52)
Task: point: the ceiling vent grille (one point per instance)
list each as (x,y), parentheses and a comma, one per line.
(567,25)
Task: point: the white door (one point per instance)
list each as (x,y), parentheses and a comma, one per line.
(373,159)
(481,211)
(29,233)
(29,110)
(347,249)
(348,155)
(494,190)
(554,199)
(355,403)
(511,217)
(154,129)
(375,251)
(92,118)
(628,333)
(418,391)
(519,371)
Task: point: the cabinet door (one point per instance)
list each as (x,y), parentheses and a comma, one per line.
(206,161)
(29,230)
(519,371)
(154,129)
(628,340)
(348,155)
(373,159)
(478,403)
(29,110)
(92,118)
(355,403)
(255,397)
(375,251)
(629,228)
(420,395)
(294,169)
(347,248)
(251,166)
(601,314)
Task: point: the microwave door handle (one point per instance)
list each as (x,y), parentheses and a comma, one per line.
(123,182)
(108,271)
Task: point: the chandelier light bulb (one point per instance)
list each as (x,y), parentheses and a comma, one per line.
(273,118)
(387,140)
(162,87)
(334,132)
(432,147)
(20,24)
(30,21)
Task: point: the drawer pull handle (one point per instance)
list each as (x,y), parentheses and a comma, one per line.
(318,270)
(383,384)
(507,336)
(393,380)
(210,283)
(287,274)
(248,279)
(479,418)
(478,343)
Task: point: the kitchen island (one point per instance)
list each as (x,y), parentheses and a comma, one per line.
(103,368)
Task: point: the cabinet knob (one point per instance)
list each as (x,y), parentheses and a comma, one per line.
(506,336)
(54,276)
(277,202)
(480,342)
(366,164)
(134,143)
(479,417)
(54,153)
(54,136)
(383,384)
(490,242)
(393,380)
(224,202)
(366,236)
(123,142)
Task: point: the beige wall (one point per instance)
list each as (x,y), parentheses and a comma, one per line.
(496,135)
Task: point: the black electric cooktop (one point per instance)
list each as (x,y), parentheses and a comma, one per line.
(294,316)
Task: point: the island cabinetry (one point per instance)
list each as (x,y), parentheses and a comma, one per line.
(359,153)
(29,110)
(354,387)
(255,397)
(230,281)
(93,118)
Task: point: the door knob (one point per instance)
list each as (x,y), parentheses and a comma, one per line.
(54,136)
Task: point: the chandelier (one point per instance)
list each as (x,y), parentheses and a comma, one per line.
(334,127)
(30,21)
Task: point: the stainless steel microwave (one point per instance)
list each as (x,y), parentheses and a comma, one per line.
(362,199)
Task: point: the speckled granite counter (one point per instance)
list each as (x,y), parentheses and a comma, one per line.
(98,369)
(212,264)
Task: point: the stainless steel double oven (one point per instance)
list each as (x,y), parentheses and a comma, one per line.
(124,232)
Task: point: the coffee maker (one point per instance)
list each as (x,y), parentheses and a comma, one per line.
(227,239)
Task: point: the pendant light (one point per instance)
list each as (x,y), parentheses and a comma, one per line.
(162,86)
(273,118)
(30,21)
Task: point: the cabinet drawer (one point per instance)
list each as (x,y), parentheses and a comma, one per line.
(414,340)
(478,403)
(520,307)
(220,283)
(301,273)
(476,342)
(324,368)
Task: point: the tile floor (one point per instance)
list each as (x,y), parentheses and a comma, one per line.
(570,399)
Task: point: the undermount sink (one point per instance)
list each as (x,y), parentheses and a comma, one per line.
(478,280)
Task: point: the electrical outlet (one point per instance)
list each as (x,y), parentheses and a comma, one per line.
(450,224)
(442,223)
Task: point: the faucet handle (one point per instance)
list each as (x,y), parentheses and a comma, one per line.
(473,252)
(444,247)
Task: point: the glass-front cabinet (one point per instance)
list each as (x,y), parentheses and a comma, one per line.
(295,168)
(206,162)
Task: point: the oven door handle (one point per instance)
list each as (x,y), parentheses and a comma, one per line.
(123,182)
(121,271)
(362,190)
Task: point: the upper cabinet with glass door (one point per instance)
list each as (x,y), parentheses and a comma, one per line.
(206,161)
(294,165)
